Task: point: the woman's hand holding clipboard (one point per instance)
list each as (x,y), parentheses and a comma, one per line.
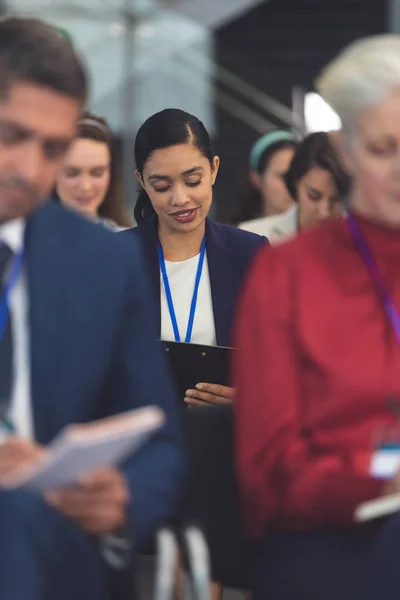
(201,373)
(209,393)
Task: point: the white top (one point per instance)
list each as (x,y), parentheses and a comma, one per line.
(12,234)
(275,228)
(182,278)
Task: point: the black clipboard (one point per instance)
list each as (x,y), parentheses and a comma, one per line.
(194,363)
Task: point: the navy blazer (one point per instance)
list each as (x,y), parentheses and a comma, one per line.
(229,252)
(94,351)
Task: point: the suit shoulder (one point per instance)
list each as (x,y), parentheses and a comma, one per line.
(132,232)
(80,231)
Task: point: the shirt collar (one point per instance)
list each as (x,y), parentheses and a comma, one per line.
(12,233)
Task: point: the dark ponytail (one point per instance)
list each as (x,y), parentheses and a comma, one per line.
(167,128)
(143,207)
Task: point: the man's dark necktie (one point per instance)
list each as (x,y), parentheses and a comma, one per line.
(6,350)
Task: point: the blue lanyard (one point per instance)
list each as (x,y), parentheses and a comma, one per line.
(195,293)
(369,261)
(13,276)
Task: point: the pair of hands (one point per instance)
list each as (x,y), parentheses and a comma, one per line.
(98,505)
(209,393)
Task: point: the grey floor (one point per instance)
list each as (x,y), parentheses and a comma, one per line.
(145,580)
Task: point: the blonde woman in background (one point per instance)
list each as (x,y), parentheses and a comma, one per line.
(318,363)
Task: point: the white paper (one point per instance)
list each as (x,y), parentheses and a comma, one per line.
(375,509)
(67,460)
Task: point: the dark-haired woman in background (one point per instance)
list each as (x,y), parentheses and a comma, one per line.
(176,167)
(89,181)
(316,181)
(265,194)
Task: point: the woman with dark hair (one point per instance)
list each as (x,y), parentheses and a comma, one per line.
(264,193)
(177,168)
(89,181)
(316,181)
(196,269)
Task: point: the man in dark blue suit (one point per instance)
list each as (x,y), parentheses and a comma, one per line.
(77,343)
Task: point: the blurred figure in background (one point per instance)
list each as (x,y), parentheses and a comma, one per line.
(89,181)
(265,193)
(318,183)
(318,365)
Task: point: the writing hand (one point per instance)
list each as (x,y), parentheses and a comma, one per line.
(16,453)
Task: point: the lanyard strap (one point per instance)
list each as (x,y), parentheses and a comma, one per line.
(169,295)
(13,276)
(369,261)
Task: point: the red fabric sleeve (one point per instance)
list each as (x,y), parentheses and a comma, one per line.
(282,479)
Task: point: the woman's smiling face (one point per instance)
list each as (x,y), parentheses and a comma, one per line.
(178,181)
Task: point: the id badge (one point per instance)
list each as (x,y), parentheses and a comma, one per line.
(385,460)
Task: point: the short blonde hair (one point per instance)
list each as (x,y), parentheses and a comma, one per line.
(361,76)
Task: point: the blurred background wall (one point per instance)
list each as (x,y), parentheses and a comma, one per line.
(239,65)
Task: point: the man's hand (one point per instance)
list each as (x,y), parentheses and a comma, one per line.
(209,393)
(98,505)
(16,453)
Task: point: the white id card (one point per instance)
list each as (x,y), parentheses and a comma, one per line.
(385,462)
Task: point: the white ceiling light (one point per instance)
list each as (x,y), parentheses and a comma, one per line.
(318,115)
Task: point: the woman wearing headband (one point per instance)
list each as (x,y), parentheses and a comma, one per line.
(316,182)
(89,181)
(265,193)
(318,367)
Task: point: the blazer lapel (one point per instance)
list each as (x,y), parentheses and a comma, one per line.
(45,255)
(225,281)
(223,268)
(148,235)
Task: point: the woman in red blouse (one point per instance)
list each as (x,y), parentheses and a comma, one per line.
(318,364)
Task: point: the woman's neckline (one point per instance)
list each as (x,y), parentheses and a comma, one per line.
(180,247)
(375,225)
(181,262)
(381,237)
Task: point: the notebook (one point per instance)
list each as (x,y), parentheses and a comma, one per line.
(377,508)
(194,363)
(82,448)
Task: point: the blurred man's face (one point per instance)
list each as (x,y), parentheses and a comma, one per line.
(36,127)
